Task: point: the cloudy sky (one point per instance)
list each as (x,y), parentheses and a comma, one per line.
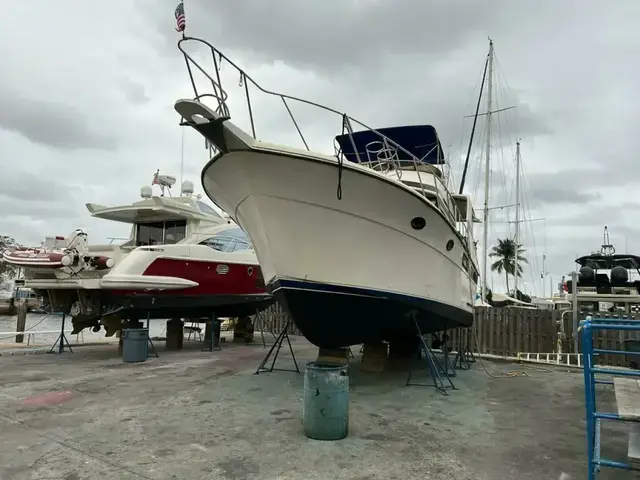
(87,92)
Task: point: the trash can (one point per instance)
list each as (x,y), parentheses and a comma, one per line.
(135,345)
(632,345)
(325,411)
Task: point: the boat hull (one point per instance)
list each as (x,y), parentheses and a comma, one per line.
(142,305)
(301,231)
(333,316)
(160,286)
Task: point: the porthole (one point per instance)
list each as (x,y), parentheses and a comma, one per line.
(418,223)
(449,245)
(250,271)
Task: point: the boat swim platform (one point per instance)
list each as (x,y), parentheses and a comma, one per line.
(197,414)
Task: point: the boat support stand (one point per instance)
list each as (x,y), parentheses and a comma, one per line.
(213,344)
(261,320)
(61,340)
(436,369)
(464,355)
(275,350)
(153,347)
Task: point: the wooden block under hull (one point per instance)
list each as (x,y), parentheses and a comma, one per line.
(338,356)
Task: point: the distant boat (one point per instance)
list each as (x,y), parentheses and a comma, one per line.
(605,277)
(183,259)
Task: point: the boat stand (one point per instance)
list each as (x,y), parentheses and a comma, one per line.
(261,320)
(275,350)
(464,355)
(446,367)
(153,347)
(436,370)
(61,340)
(213,345)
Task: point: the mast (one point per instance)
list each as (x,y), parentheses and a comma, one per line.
(485,232)
(544,259)
(517,236)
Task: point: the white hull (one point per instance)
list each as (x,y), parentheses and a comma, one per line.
(315,248)
(301,230)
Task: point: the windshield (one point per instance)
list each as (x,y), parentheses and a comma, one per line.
(229,240)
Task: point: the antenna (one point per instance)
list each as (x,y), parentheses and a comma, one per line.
(607,248)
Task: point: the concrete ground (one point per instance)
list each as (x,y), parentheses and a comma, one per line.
(201,415)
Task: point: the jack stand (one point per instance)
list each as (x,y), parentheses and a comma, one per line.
(433,365)
(153,347)
(215,326)
(261,320)
(447,368)
(62,339)
(464,357)
(277,346)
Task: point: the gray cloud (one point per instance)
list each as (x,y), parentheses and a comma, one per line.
(324,33)
(51,123)
(23,184)
(134,91)
(545,194)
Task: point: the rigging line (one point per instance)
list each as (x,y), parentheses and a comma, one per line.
(533,238)
(477,81)
(473,128)
(510,93)
(501,159)
(533,257)
(502,120)
(479,166)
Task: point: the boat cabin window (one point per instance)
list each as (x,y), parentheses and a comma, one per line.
(230,240)
(204,208)
(160,233)
(174,231)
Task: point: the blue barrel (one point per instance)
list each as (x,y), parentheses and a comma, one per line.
(325,413)
(135,345)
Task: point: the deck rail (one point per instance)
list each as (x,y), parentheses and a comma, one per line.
(212,89)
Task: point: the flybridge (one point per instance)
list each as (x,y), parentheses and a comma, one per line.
(160,208)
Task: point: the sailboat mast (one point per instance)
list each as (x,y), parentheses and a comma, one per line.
(544,259)
(517,236)
(485,232)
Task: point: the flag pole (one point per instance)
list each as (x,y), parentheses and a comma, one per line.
(185,20)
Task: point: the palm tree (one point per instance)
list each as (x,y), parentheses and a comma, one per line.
(506,252)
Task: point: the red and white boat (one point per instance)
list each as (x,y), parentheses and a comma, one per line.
(182,259)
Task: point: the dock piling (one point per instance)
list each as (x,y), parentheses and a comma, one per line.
(21,322)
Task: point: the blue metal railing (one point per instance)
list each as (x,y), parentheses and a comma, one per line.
(594,417)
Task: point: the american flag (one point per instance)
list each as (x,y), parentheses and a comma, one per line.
(181,21)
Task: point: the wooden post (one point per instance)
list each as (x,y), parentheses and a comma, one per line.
(21,323)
